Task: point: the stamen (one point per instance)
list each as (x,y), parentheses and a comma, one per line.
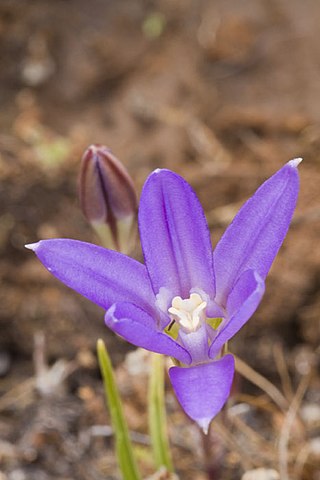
(171,325)
(188,313)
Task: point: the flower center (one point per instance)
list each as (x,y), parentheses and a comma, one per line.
(188,313)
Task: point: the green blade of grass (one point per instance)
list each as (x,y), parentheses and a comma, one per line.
(157,415)
(124,451)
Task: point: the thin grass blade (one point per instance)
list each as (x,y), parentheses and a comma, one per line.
(124,450)
(157,415)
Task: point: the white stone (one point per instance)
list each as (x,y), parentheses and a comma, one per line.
(261,474)
(310,413)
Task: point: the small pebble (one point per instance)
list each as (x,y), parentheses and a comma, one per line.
(261,474)
(314,449)
(137,362)
(310,413)
(17,474)
(163,474)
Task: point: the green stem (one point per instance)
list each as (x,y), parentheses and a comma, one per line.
(157,415)
(124,451)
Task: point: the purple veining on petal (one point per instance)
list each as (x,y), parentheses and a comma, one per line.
(204,389)
(257,232)
(242,302)
(174,235)
(196,343)
(140,329)
(101,275)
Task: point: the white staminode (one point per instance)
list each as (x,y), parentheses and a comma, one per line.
(189,312)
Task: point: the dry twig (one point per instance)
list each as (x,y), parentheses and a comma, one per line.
(287,426)
(261,382)
(282,368)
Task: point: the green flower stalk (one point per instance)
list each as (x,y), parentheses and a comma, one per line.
(157,415)
(124,450)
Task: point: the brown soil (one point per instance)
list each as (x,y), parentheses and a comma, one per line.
(222,92)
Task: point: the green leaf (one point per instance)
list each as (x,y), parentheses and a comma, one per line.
(157,415)
(124,451)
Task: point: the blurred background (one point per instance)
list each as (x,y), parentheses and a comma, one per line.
(222,92)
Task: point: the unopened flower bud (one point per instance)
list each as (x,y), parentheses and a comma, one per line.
(108,198)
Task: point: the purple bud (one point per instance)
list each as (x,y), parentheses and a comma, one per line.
(107,197)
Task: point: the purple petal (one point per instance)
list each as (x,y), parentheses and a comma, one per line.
(257,232)
(203,390)
(196,343)
(242,303)
(101,275)
(140,329)
(174,235)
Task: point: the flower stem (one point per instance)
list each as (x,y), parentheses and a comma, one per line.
(124,451)
(157,415)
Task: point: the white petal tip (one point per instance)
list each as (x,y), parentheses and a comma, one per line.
(295,162)
(32,246)
(204,425)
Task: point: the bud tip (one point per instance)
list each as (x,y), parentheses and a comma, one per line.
(295,162)
(32,246)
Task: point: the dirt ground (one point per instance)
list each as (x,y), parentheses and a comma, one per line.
(223,92)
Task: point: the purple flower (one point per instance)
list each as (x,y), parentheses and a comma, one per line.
(107,197)
(185,302)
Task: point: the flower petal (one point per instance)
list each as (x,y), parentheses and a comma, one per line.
(139,328)
(174,235)
(242,303)
(204,389)
(257,232)
(101,275)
